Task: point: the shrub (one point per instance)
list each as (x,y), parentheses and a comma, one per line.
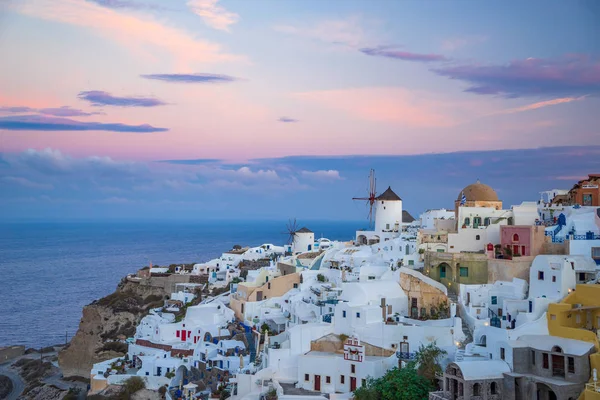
(133,384)
(162,391)
(321,278)
(118,347)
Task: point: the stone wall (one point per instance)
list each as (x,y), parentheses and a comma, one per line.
(427,296)
(506,270)
(334,344)
(10,352)
(556,248)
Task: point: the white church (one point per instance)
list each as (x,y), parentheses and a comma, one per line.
(388,219)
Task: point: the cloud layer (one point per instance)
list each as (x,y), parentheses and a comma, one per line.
(287,119)
(191,78)
(571,75)
(389,52)
(64,111)
(212,14)
(41,123)
(99,98)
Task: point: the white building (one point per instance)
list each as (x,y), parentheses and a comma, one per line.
(304,240)
(429,218)
(388,219)
(328,372)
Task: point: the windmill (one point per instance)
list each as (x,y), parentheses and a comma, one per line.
(291,229)
(372,193)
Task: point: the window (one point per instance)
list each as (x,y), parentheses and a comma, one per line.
(532,357)
(353,368)
(411,262)
(344,314)
(587,199)
(477,389)
(545,360)
(486,221)
(477,237)
(596,253)
(515,238)
(441,250)
(387,226)
(442,271)
(494,299)
(540,275)
(502,355)
(327,379)
(582,276)
(571,366)
(464,271)
(364,383)
(295,286)
(357,315)
(553,278)
(553,317)
(342,379)
(269,285)
(494,388)
(556,349)
(467,221)
(476,222)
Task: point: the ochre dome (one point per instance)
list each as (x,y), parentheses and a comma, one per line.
(478,192)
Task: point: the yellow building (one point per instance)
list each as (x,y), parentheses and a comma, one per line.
(249,295)
(578,317)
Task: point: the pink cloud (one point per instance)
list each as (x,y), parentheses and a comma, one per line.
(540,104)
(389,105)
(132,30)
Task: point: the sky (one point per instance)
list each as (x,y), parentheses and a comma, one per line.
(263,109)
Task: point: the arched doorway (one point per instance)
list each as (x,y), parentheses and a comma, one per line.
(445,271)
(544,392)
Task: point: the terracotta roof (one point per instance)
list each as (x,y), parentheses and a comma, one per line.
(406,217)
(478,192)
(304,230)
(389,195)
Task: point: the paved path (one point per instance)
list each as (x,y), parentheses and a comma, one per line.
(18,384)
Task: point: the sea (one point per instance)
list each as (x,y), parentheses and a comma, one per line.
(50,270)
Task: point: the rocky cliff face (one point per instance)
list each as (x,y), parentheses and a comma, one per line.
(108,319)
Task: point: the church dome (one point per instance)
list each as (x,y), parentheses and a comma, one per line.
(478,192)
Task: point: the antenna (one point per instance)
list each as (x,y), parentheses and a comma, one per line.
(372,193)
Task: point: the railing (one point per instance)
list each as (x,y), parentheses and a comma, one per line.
(594,387)
(585,237)
(403,355)
(327,318)
(441,395)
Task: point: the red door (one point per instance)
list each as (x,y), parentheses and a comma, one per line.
(523,250)
(183,335)
(515,249)
(352,384)
(317,383)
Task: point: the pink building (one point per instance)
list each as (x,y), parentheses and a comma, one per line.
(523,240)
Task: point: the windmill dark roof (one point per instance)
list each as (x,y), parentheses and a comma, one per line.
(304,230)
(389,195)
(406,217)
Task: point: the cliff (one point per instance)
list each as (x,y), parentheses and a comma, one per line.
(115,316)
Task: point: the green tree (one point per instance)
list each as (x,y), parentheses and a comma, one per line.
(396,384)
(428,361)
